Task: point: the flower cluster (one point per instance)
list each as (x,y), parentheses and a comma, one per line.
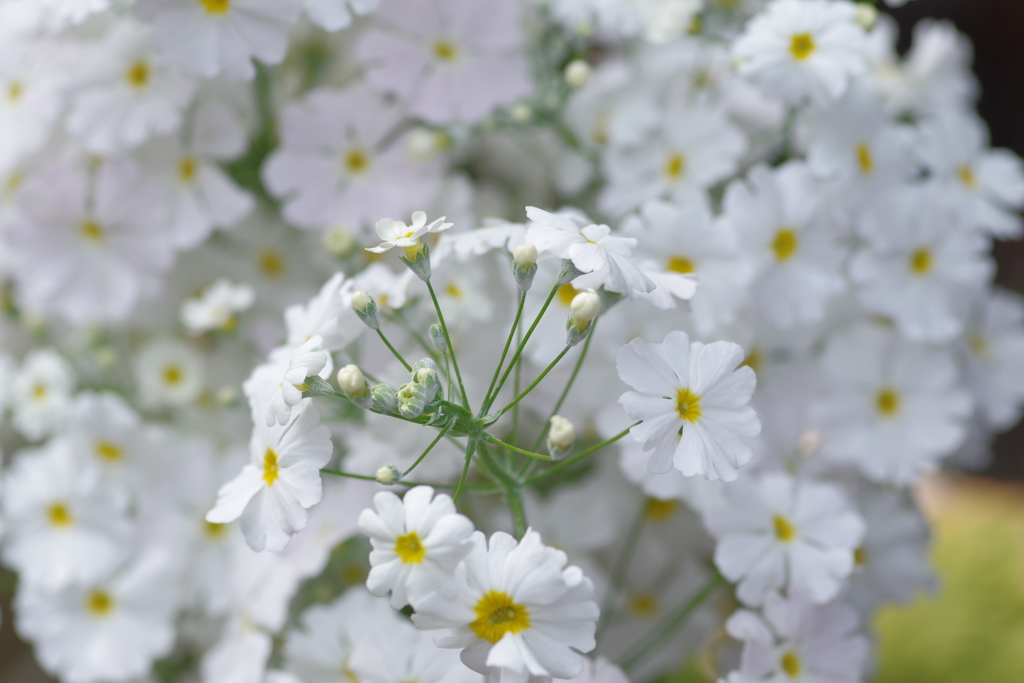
(425,340)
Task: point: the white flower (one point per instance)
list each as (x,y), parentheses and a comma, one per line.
(333,164)
(778,532)
(51,15)
(919,263)
(333,15)
(398,234)
(41,393)
(795,641)
(995,358)
(107,632)
(520,611)
(128,96)
(890,407)
(62,529)
(169,373)
(216,307)
(590,247)
(207,38)
(695,388)
(288,370)
(796,254)
(405,654)
(803,49)
(33,80)
(452,60)
(325,315)
(417,542)
(281,481)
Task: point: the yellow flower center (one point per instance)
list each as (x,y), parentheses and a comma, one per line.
(59,515)
(802,46)
(675,167)
(109,451)
(271,263)
(785,244)
(753,359)
(357,162)
(39,392)
(497,614)
(14,91)
(887,402)
(790,663)
(173,375)
(214,531)
(688,405)
(187,169)
(784,529)
(446,51)
(967,177)
(680,264)
(410,548)
(99,603)
(91,231)
(643,604)
(454,291)
(661,510)
(860,556)
(921,262)
(270,467)
(864,159)
(138,75)
(566,293)
(216,6)
(978,344)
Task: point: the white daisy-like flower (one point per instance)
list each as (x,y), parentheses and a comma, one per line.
(398,234)
(207,38)
(777,532)
(995,358)
(216,307)
(591,248)
(33,79)
(519,612)
(273,492)
(417,542)
(169,373)
(693,401)
(803,49)
(41,393)
(288,370)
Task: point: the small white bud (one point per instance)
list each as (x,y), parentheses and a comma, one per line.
(424,143)
(522,113)
(577,74)
(366,308)
(339,241)
(525,255)
(437,338)
(585,307)
(353,382)
(865,14)
(383,399)
(388,475)
(227,395)
(561,437)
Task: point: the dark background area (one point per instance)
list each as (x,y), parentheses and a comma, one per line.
(996,27)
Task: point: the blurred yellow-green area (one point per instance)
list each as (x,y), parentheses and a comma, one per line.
(972,629)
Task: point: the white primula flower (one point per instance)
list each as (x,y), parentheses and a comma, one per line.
(273,492)
(795,251)
(169,374)
(110,631)
(328,315)
(33,79)
(890,407)
(88,246)
(216,307)
(520,611)
(62,529)
(417,541)
(333,15)
(398,234)
(291,367)
(128,95)
(591,248)
(919,264)
(995,358)
(776,532)
(41,393)
(208,38)
(803,49)
(693,401)
(795,641)
(453,61)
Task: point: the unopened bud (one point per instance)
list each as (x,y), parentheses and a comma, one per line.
(339,241)
(227,395)
(585,307)
(424,372)
(422,144)
(412,400)
(577,73)
(388,475)
(522,113)
(561,437)
(366,308)
(437,338)
(353,383)
(524,266)
(866,15)
(383,399)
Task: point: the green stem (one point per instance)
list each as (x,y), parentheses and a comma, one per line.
(448,342)
(535,382)
(568,388)
(433,443)
(508,343)
(394,350)
(499,442)
(579,456)
(621,569)
(660,635)
(400,320)
(363,477)
(515,504)
(519,350)
(470,448)
(517,382)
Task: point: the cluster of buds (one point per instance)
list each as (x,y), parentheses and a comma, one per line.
(414,397)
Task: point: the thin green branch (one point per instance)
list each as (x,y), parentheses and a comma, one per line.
(440,435)
(470,448)
(448,342)
(621,569)
(535,382)
(483,488)
(521,451)
(508,343)
(515,504)
(579,456)
(568,387)
(394,350)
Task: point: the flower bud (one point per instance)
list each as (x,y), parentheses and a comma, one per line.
(339,241)
(524,266)
(366,308)
(424,143)
(522,113)
(383,399)
(388,475)
(424,372)
(585,307)
(354,384)
(865,14)
(437,338)
(561,437)
(412,400)
(577,73)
